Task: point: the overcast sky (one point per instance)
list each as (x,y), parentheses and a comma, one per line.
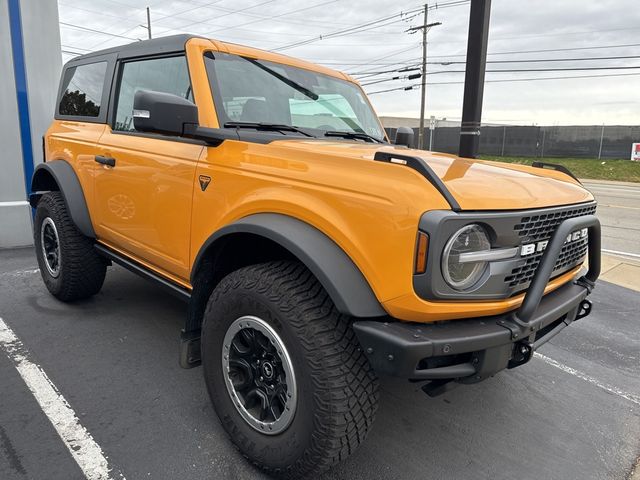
(516,26)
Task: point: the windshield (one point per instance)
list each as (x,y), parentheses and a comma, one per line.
(258,91)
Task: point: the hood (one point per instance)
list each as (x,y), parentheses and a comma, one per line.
(475,184)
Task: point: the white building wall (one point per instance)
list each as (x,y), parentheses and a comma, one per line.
(43,63)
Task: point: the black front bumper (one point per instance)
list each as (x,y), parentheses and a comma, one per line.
(471,350)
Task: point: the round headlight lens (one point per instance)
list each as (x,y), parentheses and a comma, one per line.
(463,275)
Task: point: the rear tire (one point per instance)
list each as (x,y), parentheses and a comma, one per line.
(69,265)
(333,395)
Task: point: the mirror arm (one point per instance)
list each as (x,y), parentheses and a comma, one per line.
(212,136)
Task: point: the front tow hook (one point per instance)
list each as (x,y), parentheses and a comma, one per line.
(584,309)
(522,353)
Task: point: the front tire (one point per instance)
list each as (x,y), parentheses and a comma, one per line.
(69,265)
(271,332)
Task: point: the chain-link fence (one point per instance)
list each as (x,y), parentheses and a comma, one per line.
(595,141)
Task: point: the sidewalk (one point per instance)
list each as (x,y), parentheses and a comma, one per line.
(621,270)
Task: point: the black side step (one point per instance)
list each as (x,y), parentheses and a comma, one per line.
(139,269)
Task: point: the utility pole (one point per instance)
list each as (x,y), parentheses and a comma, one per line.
(149,22)
(474,78)
(423,84)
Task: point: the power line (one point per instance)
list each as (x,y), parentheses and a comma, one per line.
(546,50)
(235,27)
(548,78)
(309,7)
(507,80)
(367,72)
(229,12)
(96,31)
(408,68)
(405,77)
(515,70)
(347,31)
(541,60)
(75,48)
(563,33)
(138,25)
(101,13)
(565,69)
(413,60)
(260,17)
(358,28)
(387,55)
(409,87)
(199,6)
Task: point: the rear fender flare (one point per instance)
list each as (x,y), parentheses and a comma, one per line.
(59,175)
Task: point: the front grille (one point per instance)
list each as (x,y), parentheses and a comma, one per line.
(540,227)
(536,228)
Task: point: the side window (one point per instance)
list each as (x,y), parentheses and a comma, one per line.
(168,75)
(82,86)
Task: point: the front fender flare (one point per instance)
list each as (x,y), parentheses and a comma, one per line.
(338,274)
(66,181)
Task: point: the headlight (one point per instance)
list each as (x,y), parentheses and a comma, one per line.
(462,271)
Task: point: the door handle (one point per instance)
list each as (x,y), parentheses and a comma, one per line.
(109,161)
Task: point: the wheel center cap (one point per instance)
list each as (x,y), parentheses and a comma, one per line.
(267,370)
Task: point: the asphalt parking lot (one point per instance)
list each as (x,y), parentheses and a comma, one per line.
(572,414)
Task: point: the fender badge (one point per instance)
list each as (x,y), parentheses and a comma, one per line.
(204,182)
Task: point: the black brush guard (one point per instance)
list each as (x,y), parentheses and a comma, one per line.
(471,350)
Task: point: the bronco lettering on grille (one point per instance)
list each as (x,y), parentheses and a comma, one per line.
(536,247)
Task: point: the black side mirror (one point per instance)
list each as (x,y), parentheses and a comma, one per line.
(157,112)
(404,136)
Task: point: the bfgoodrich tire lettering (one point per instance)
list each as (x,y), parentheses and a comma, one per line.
(79,271)
(337,390)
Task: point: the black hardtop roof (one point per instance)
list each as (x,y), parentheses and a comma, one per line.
(172,43)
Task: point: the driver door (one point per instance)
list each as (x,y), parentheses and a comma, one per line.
(143,200)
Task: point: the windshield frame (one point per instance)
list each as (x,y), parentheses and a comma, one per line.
(224,118)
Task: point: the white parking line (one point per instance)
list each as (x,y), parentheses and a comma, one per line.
(17,203)
(20,273)
(619,253)
(85,451)
(577,373)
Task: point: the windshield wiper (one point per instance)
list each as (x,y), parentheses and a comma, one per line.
(356,135)
(304,90)
(273,127)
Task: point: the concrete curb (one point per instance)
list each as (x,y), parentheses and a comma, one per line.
(621,271)
(610,182)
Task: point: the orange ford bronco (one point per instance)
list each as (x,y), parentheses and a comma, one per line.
(314,254)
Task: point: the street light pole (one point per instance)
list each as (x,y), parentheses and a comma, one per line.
(149,22)
(474,78)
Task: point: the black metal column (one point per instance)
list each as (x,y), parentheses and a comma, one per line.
(474,77)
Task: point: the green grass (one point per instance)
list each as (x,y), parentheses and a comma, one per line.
(623,170)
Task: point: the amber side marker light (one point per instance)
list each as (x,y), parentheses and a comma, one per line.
(421,253)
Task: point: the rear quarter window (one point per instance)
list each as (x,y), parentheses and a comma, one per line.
(82,88)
